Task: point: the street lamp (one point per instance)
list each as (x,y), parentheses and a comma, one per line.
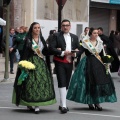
(60,3)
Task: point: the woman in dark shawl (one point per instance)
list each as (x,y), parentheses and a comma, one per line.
(37,89)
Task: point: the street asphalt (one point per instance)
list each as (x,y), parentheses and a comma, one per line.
(77,111)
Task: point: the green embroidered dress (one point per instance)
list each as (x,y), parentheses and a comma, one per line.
(90,84)
(38,87)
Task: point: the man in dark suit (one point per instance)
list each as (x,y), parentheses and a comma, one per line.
(109,50)
(61,47)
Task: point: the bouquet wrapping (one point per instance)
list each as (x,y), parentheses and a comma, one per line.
(107,59)
(25,66)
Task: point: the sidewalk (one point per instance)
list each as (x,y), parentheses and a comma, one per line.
(2,70)
(11,76)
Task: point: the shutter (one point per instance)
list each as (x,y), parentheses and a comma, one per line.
(100,18)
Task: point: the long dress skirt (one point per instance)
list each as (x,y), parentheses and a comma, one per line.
(38,88)
(90,84)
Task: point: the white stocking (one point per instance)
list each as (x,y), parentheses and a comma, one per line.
(37,108)
(62,96)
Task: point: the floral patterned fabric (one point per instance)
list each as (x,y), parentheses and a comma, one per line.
(38,88)
(89,85)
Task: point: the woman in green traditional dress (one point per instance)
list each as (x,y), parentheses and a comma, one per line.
(91,82)
(37,89)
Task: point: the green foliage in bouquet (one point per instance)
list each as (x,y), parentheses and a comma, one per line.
(107,59)
(25,66)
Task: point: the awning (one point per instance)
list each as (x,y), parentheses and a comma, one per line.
(2,22)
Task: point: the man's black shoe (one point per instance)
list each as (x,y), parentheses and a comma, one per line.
(61,108)
(36,112)
(11,72)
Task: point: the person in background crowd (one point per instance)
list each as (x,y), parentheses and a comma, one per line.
(117,42)
(17,31)
(84,34)
(48,41)
(103,37)
(111,36)
(37,89)
(26,29)
(90,84)
(1,34)
(20,39)
(61,46)
(12,48)
(109,50)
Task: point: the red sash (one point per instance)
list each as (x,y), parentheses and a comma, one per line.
(64,60)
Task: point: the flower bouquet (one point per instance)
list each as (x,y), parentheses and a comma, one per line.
(106,60)
(25,66)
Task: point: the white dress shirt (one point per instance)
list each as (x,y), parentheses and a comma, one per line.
(68,41)
(68,45)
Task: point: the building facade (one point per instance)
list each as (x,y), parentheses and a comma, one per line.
(81,13)
(46,13)
(24,12)
(106,14)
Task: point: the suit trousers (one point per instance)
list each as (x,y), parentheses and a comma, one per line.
(63,72)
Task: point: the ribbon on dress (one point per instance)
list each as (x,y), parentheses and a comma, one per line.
(36,49)
(92,49)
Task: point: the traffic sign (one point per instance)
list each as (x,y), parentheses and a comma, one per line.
(63,2)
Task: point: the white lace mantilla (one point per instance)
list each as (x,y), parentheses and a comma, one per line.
(98,47)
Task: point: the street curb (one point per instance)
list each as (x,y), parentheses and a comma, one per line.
(10,80)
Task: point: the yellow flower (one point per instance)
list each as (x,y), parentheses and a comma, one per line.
(27,65)
(108,56)
(80,43)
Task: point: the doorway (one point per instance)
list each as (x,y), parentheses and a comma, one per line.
(79,29)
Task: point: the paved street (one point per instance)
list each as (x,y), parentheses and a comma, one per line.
(9,111)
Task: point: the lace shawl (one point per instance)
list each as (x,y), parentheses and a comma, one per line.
(98,47)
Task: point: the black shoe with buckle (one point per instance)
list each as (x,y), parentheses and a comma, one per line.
(61,108)
(36,112)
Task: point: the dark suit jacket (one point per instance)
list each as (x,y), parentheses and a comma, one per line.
(3,44)
(58,41)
